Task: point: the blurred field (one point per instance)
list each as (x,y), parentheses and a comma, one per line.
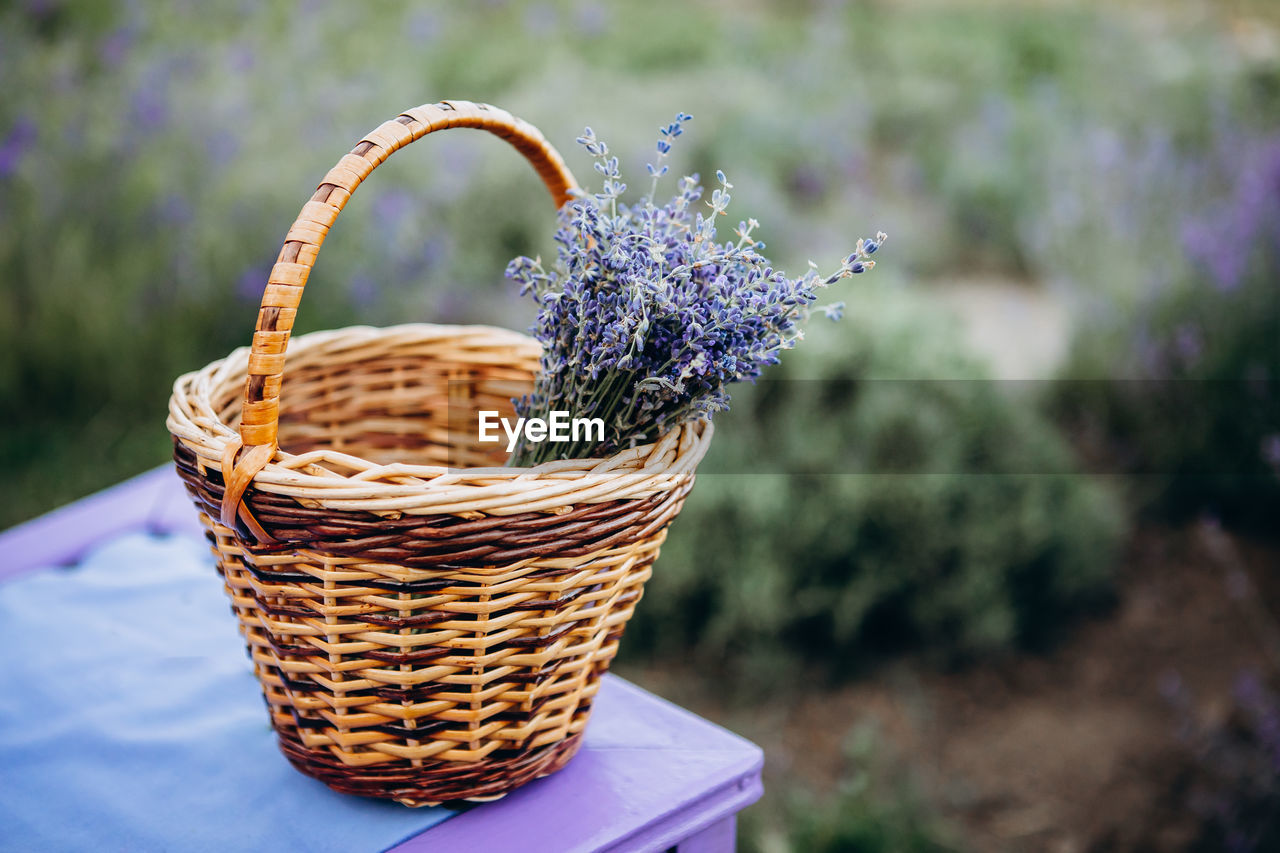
(1074,191)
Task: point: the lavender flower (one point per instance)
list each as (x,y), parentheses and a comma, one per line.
(645,318)
(15,145)
(592,19)
(252,281)
(115,48)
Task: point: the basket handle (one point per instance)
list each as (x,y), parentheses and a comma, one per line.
(260,422)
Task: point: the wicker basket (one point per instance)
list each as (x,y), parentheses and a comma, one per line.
(427,625)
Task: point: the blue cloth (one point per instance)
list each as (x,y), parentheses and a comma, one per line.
(130,719)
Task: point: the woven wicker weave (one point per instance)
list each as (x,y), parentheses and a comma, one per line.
(427,625)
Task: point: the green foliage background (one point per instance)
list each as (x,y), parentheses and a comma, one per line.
(879,492)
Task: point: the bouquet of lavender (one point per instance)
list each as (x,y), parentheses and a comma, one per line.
(645,319)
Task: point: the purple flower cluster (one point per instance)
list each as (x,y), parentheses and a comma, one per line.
(15,146)
(645,318)
(1226,242)
(1235,783)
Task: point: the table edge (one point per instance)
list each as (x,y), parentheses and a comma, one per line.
(62,536)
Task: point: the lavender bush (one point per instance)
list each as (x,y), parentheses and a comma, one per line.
(1234,779)
(878,493)
(645,318)
(1198,411)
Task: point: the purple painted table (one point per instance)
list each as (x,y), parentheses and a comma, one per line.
(650,775)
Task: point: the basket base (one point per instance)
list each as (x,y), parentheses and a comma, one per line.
(434,783)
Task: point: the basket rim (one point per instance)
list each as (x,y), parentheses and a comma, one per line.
(342,481)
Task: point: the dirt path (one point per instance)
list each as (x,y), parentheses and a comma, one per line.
(1023,330)
(1071,751)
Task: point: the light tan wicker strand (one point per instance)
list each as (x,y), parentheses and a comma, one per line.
(427,625)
